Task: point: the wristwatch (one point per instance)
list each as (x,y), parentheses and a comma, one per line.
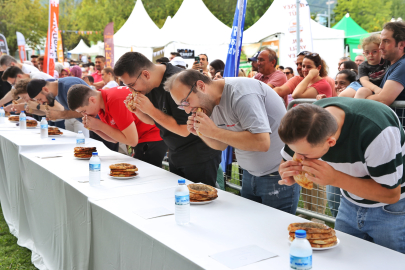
(38,106)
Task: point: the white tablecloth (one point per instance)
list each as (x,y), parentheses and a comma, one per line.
(71,225)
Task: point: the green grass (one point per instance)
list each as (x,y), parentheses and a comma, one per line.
(12,256)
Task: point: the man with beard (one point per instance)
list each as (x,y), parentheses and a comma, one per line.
(253,59)
(228,119)
(34,60)
(98,77)
(393,49)
(189,156)
(47,92)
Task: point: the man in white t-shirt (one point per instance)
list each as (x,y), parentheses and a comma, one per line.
(8,61)
(245,114)
(108,78)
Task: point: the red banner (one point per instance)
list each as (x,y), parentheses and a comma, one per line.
(52,37)
(21,51)
(109,45)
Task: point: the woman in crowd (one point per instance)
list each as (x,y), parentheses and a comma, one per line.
(219,75)
(349,65)
(76,71)
(313,84)
(289,72)
(216,66)
(343,79)
(64,73)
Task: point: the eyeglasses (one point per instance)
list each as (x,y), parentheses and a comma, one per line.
(311,54)
(374,52)
(287,73)
(183,102)
(127,85)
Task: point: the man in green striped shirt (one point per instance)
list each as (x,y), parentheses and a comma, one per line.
(358,146)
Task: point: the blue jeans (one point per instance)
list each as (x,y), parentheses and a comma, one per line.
(266,190)
(333,195)
(384,225)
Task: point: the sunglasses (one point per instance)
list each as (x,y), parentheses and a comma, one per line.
(303,53)
(184,103)
(311,54)
(287,73)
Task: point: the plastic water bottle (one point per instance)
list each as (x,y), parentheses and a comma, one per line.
(300,252)
(44,128)
(80,138)
(23,120)
(94,170)
(2,115)
(182,200)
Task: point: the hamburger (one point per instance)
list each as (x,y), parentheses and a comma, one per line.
(202,192)
(84,152)
(54,131)
(32,123)
(318,235)
(14,118)
(301,179)
(131,102)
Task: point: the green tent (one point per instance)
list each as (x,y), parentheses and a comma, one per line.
(353,32)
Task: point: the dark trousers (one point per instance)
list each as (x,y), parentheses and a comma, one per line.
(151,152)
(204,172)
(110,145)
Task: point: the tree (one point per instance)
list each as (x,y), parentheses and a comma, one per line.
(398,9)
(29,17)
(369,14)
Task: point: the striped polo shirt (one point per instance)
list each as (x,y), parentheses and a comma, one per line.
(371,145)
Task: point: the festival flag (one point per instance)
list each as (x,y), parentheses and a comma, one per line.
(52,38)
(3,44)
(60,48)
(21,47)
(232,61)
(109,45)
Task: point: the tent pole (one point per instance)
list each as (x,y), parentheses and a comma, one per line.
(298,26)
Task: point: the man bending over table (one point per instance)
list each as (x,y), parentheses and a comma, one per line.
(245,114)
(117,123)
(358,146)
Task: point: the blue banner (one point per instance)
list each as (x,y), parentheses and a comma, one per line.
(232,61)
(235,45)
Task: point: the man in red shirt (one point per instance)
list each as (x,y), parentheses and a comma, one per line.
(266,64)
(98,78)
(117,123)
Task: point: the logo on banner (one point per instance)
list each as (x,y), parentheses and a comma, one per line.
(186,53)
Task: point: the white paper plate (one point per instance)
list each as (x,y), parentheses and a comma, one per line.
(337,243)
(14,121)
(203,202)
(124,178)
(87,158)
(55,135)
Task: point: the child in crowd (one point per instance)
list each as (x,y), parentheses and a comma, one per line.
(89,80)
(371,72)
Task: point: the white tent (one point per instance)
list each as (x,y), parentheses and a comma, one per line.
(96,49)
(137,34)
(329,43)
(81,48)
(209,35)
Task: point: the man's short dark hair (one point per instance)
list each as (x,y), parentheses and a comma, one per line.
(162,60)
(188,77)
(6,60)
(307,121)
(78,96)
(132,63)
(175,54)
(101,57)
(34,87)
(34,56)
(398,29)
(11,72)
(272,55)
(280,67)
(90,78)
(205,55)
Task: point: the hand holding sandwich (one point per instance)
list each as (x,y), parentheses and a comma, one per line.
(143,103)
(190,124)
(204,125)
(91,122)
(319,172)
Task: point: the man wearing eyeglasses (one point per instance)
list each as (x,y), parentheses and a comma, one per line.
(245,114)
(189,156)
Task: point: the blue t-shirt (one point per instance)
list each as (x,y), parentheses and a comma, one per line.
(63,87)
(396,73)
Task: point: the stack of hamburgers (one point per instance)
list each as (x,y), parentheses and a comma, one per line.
(84,152)
(55,131)
(202,192)
(32,123)
(14,118)
(123,170)
(318,235)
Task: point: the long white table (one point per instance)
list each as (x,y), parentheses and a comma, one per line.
(71,225)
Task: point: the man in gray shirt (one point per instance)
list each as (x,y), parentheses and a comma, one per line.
(245,114)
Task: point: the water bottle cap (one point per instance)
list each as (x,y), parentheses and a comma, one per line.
(80,131)
(300,234)
(53,139)
(22,111)
(1,108)
(182,181)
(43,118)
(95,154)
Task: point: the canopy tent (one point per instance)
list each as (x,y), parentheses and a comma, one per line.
(96,49)
(139,33)
(181,33)
(353,34)
(270,29)
(81,48)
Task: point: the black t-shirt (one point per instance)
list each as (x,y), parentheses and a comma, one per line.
(182,150)
(5,87)
(375,73)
